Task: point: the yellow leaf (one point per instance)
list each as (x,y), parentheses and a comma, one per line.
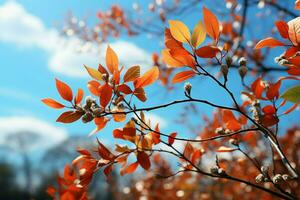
(180,31)
(94,73)
(199,34)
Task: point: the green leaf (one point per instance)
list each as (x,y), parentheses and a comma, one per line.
(292,94)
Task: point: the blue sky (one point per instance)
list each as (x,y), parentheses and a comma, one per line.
(33,54)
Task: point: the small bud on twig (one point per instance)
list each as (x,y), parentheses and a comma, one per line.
(243,71)
(87,117)
(224,70)
(228,61)
(277,178)
(243,61)
(259,178)
(187,89)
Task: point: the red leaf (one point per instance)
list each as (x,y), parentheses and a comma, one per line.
(105,96)
(258,87)
(124,89)
(231,122)
(273,91)
(52,103)
(79,96)
(269,109)
(64,90)
(269,120)
(140,94)
(188,150)
(104,152)
(182,76)
(207,51)
(171,138)
(292,108)
(129,169)
(143,160)
(69,117)
(282,28)
(268,42)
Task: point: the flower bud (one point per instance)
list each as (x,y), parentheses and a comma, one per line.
(234,142)
(264,170)
(87,117)
(220,131)
(277,178)
(243,71)
(283,62)
(188,88)
(228,61)
(97,111)
(105,77)
(224,70)
(242,61)
(286,177)
(259,178)
(214,170)
(89,100)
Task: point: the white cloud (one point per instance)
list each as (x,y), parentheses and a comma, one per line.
(39,134)
(156,119)
(26,30)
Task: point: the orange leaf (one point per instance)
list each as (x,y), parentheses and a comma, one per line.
(211,24)
(132,73)
(170,41)
(182,76)
(282,28)
(52,103)
(129,169)
(297,4)
(196,155)
(183,56)
(225,149)
(171,138)
(148,78)
(231,122)
(105,96)
(169,60)
(94,87)
(143,160)
(124,89)
(79,96)
(269,42)
(69,117)
(112,61)
(64,90)
(207,51)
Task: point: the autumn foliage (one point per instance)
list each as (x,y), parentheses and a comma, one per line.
(247,130)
